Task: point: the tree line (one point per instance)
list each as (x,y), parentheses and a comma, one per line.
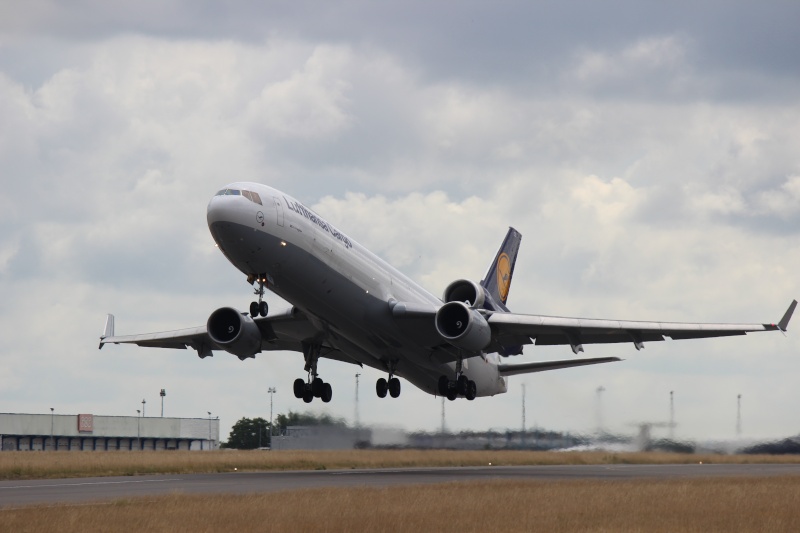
(252,433)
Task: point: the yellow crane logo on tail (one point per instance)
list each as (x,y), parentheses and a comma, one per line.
(503,276)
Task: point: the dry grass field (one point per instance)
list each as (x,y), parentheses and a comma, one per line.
(39,465)
(704,505)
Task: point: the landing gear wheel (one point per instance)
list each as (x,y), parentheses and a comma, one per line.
(263,308)
(254,309)
(462,385)
(381,387)
(443,385)
(394,387)
(308,395)
(327,393)
(299,388)
(452,394)
(317,386)
(472,391)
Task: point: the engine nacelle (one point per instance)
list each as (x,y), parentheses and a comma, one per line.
(234,332)
(466,291)
(463,327)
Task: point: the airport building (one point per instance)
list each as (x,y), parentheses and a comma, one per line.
(106,433)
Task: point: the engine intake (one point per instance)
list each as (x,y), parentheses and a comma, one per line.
(234,332)
(463,327)
(464,290)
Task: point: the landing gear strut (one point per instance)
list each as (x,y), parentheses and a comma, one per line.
(461,386)
(392,385)
(314,386)
(260,307)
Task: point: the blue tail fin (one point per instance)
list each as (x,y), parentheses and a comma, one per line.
(497,281)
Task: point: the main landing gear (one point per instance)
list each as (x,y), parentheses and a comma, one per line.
(461,386)
(392,385)
(260,307)
(313,387)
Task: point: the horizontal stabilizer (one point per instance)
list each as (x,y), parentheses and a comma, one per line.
(526,368)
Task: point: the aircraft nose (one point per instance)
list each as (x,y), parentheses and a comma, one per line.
(216,211)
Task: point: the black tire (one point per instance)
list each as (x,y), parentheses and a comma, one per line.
(472,391)
(462,385)
(394,387)
(452,394)
(327,393)
(317,386)
(263,308)
(299,387)
(444,385)
(381,387)
(253,309)
(308,395)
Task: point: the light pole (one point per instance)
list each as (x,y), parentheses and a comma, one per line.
(271,391)
(671,415)
(163,393)
(523,416)
(739,416)
(139,428)
(358,422)
(143,402)
(210,442)
(600,391)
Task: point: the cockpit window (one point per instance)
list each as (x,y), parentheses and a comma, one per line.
(252,196)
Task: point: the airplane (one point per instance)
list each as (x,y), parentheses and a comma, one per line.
(349,305)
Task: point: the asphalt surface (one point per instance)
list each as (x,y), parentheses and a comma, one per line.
(85,490)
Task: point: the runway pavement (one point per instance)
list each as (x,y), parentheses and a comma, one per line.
(84,490)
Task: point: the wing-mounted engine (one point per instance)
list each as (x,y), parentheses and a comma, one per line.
(234,332)
(463,327)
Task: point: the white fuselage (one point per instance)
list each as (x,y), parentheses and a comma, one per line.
(346,291)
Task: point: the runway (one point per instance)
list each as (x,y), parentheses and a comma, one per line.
(84,490)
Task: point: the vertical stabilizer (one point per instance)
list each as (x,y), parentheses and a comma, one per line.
(497,281)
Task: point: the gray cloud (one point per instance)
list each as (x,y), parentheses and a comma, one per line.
(646,152)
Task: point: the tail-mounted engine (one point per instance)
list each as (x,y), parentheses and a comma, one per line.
(465,291)
(234,332)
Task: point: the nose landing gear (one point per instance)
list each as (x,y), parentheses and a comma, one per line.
(260,307)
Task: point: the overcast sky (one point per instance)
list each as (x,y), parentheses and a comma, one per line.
(648,152)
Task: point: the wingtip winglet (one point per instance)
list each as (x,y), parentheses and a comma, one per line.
(108,330)
(783,325)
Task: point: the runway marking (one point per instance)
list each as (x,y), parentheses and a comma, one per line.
(90,483)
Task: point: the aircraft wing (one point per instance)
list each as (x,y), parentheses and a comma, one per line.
(282,331)
(549,330)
